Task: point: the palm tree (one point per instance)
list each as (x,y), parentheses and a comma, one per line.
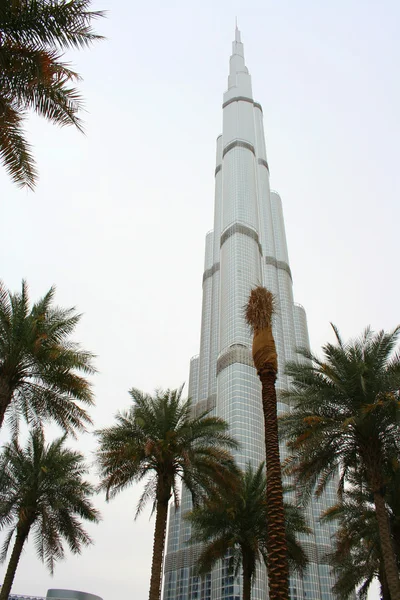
(39,364)
(234,521)
(32,75)
(158,439)
(346,416)
(259,311)
(42,490)
(356,557)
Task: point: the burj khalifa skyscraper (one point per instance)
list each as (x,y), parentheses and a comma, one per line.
(246,247)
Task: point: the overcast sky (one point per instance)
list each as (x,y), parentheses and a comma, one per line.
(119,216)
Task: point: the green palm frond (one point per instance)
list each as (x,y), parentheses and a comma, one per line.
(234,519)
(159,442)
(149,493)
(216,550)
(345,420)
(32,74)
(158,435)
(62,23)
(40,367)
(356,556)
(6,543)
(43,487)
(343,404)
(15,151)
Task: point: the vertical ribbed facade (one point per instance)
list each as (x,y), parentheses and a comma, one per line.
(246,247)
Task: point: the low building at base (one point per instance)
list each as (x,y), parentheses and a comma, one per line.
(70,595)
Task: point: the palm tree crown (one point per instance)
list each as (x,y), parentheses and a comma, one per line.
(42,489)
(233,519)
(158,440)
(39,364)
(346,416)
(32,75)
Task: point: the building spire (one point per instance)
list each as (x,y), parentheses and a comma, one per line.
(238,74)
(237,32)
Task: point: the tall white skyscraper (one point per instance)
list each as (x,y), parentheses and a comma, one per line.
(246,247)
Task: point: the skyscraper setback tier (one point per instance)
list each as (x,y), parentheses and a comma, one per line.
(246,247)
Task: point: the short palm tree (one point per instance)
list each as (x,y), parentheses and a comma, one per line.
(32,75)
(346,417)
(234,521)
(259,311)
(160,441)
(356,557)
(43,491)
(39,364)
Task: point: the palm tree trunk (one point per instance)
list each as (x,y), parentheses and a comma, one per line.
(277,564)
(20,538)
(385,594)
(5,399)
(389,559)
(246,577)
(158,548)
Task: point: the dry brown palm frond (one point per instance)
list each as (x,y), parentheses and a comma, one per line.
(260,308)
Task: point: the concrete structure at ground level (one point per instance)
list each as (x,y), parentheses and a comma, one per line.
(246,247)
(70,595)
(58,595)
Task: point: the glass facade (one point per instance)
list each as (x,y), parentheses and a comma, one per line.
(246,247)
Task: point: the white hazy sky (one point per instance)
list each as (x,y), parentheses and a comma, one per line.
(118,218)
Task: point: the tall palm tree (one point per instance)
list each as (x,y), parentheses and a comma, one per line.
(39,364)
(159,440)
(234,520)
(43,491)
(33,34)
(346,417)
(259,311)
